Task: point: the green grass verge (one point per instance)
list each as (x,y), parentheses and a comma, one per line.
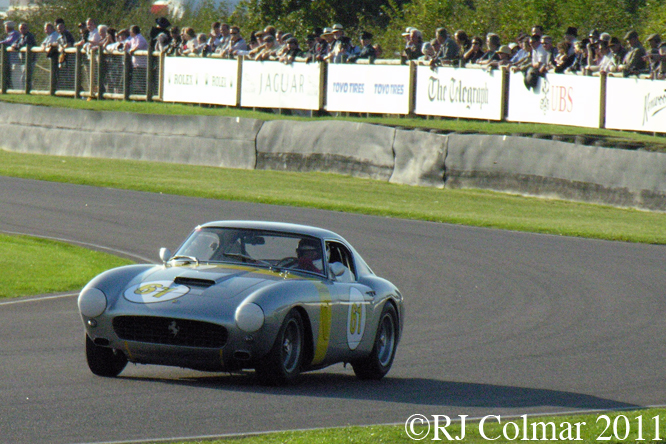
(646,140)
(343,193)
(638,425)
(37,266)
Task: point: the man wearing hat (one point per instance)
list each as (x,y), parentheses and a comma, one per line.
(291,52)
(367,50)
(653,58)
(634,60)
(571,37)
(163,25)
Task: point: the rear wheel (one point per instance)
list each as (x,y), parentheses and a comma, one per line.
(282,364)
(378,363)
(104,361)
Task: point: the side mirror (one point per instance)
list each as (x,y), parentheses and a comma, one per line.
(165,255)
(337,269)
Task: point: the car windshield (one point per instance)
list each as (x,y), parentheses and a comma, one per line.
(256,247)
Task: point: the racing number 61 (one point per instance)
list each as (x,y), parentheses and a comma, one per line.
(152,288)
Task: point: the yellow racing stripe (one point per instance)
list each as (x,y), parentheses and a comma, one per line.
(325,314)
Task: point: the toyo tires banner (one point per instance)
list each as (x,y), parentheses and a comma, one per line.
(459,92)
(201,80)
(368,89)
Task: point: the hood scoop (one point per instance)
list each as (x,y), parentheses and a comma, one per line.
(194,282)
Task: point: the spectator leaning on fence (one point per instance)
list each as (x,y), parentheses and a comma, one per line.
(475,52)
(267,52)
(137,43)
(463,41)
(414,45)
(12,35)
(94,38)
(448,52)
(634,61)
(429,53)
(65,38)
(367,49)
(215,37)
(292,51)
(51,39)
(162,27)
(490,56)
(652,58)
(236,43)
(539,54)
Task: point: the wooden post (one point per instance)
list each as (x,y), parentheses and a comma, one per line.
(78,71)
(27,71)
(5,72)
(53,75)
(101,74)
(127,65)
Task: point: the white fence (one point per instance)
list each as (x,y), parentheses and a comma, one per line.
(583,101)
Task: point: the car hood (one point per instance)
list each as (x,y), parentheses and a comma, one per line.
(219,281)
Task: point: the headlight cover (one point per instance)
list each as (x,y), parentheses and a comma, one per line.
(92,302)
(249,317)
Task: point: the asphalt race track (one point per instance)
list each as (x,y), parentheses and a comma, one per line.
(498,322)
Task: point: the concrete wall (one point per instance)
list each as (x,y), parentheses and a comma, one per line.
(412,157)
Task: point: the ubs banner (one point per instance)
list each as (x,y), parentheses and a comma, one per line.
(459,92)
(633,104)
(201,80)
(368,89)
(276,85)
(558,98)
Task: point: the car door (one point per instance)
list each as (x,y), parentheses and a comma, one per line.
(353,308)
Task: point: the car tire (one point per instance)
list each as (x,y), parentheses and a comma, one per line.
(104,361)
(376,365)
(282,364)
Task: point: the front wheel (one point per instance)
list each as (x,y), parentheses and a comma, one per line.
(282,364)
(378,363)
(104,361)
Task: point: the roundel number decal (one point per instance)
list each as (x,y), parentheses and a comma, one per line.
(158,291)
(355,318)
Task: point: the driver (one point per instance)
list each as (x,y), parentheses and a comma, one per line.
(309,251)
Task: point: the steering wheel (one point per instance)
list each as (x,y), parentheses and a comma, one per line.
(287,262)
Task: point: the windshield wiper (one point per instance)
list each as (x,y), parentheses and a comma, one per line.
(248,258)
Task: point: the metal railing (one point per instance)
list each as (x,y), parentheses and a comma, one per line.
(96,74)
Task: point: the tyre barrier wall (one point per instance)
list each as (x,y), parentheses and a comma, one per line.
(412,157)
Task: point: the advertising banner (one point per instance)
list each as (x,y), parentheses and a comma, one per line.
(459,92)
(636,104)
(201,80)
(276,85)
(368,89)
(557,99)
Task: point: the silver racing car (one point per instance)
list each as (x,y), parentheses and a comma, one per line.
(277,298)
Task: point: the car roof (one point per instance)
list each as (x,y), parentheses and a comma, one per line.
(276,226)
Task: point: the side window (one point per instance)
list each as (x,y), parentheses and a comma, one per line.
(337,252)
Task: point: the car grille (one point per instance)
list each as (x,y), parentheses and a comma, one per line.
(169,331)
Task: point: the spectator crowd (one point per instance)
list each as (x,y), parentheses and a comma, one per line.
(534,53)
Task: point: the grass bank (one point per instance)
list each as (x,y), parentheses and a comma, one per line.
(348,194)
(38,266)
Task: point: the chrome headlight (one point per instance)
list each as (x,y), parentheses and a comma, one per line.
(92,302)
(249,317)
